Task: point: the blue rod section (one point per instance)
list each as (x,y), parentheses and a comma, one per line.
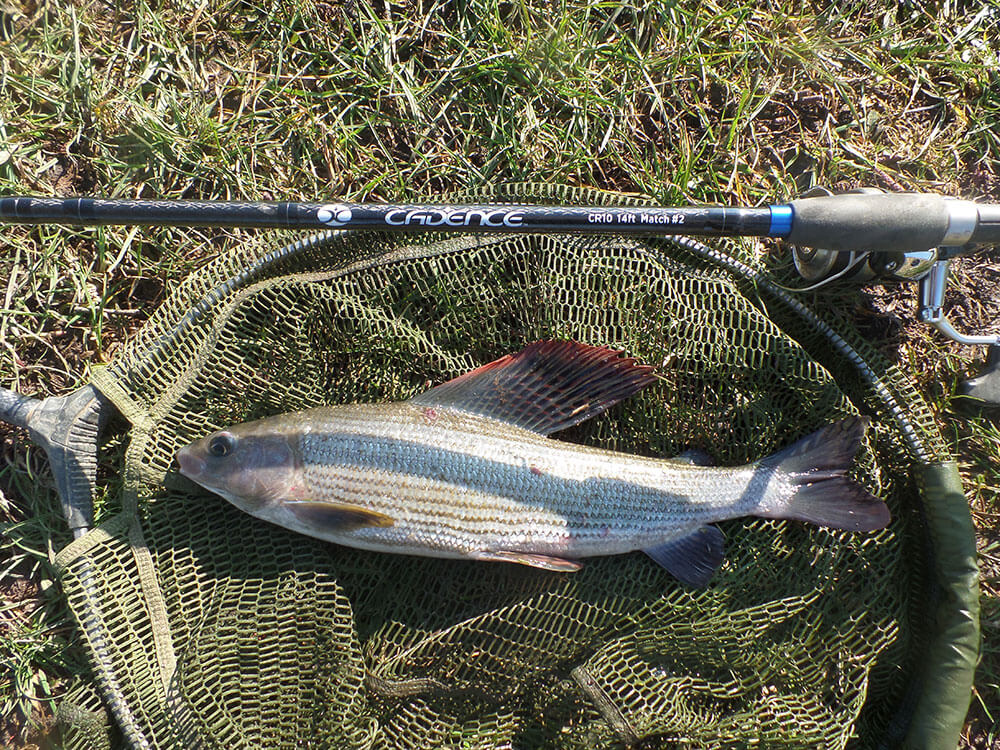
(781,221)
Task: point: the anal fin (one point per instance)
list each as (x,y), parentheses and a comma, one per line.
(692,559)
(545,562)
(336,515)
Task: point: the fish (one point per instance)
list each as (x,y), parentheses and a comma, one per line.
(468,470)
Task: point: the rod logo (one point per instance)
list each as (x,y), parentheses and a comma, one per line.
(334,214)
(455,217)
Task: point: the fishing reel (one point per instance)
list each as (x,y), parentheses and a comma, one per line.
(927,267)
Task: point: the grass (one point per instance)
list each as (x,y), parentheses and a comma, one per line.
(686,101)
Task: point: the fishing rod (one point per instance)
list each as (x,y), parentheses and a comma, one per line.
(857,236)
(886,222)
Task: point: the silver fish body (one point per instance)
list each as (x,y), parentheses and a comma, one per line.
(430,477)
(456,484)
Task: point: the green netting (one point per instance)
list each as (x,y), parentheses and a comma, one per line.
(210,628)
(82,719)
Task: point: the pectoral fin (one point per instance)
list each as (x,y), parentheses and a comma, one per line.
(336,516)
(545,562)
(692,559)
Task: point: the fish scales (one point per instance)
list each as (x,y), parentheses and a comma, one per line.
(463,482)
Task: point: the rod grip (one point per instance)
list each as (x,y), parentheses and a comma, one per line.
(988,228)
(902,222)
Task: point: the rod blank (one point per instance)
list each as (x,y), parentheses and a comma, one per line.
(711,220)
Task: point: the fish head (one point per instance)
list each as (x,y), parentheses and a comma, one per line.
(248,466)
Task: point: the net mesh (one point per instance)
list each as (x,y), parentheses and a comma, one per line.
(210,628)
(82,719)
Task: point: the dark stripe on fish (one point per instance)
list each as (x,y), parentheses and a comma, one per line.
(367,453)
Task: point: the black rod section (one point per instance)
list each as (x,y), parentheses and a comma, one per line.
(638,220)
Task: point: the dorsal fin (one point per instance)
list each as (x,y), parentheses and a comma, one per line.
(546,387)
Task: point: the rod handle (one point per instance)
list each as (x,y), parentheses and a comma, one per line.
(894,222)
(988,227)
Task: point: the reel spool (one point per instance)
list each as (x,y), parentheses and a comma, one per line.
(820,266)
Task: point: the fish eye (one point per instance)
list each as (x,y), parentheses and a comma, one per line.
(222,444)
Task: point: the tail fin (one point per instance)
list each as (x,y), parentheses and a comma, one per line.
(816,466)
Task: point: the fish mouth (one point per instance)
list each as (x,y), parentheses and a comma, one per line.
(191,466)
